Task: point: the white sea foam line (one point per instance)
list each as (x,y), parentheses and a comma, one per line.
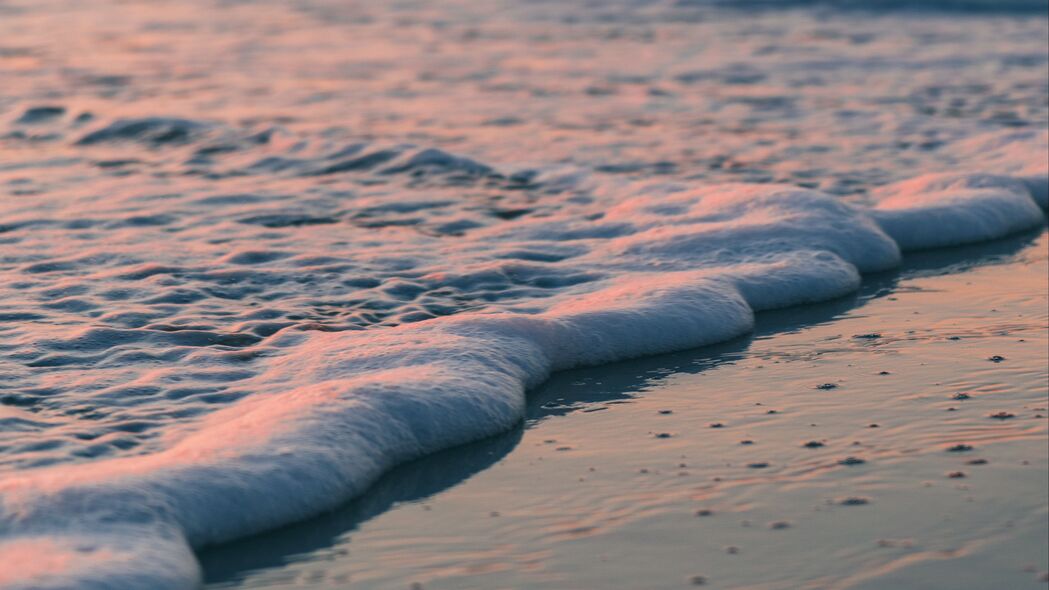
(344,407)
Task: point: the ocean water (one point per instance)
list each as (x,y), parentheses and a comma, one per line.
(254,254)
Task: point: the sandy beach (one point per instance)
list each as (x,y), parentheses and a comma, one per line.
(523,294)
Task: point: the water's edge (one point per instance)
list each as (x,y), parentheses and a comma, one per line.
(271,460)
(569,392)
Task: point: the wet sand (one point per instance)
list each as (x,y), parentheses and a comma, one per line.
(891,439)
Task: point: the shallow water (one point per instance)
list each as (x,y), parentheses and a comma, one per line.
(269,184)
(393,219)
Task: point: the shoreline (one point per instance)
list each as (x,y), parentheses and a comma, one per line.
(477,459)
(513,354)
(256,255)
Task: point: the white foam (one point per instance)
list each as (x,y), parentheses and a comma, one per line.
(666,268)
(951,209)
(100,559)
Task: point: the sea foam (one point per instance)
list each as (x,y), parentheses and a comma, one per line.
(641,269)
